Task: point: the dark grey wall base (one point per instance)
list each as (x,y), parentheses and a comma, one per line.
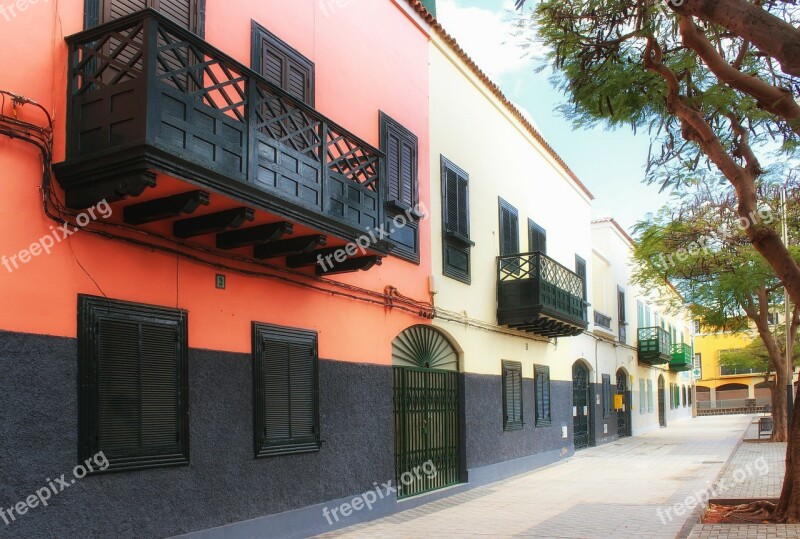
(311,521)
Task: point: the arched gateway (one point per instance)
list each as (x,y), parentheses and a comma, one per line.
(427,411)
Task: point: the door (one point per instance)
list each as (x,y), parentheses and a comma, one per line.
(427,412)
(662,403)
(623,416)
(580,405)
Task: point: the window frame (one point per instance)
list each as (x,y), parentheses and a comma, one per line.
(542,372)
(453,239)
(517,423)
(541,231)
(91,310)
(395,207)
(262,447)
(580,262)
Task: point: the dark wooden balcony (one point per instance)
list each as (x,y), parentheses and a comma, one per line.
(654,346)
(538,295)
(682,357)
(148,100)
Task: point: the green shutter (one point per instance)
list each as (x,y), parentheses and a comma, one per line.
(456,244)
(537,238)
(542,385)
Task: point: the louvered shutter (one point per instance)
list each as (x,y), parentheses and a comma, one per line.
(138,395)
(509,229)
(183,12)
(537,238)
(285,398)
(512,380)
(542,374)
(455,225)
(282,65)
(133,392)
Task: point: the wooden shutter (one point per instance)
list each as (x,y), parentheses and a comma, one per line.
(509,229)
(285,380)
(537,238)
(138,388)
(455,222)
(133,392)
(580,269)
(282,65)
(543,414)
(512,394)
(186,13)
(621,306)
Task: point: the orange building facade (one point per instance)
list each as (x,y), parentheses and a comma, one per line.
(203,294)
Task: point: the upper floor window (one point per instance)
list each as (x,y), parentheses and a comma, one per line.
(402,168)
(133,390)
(580,269)
(621,315)
(282,65)
(188,14)
(537,238)
(455,222)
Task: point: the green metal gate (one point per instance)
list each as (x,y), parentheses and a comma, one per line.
(623,416)
(427,412)
(580,406)
(662,403)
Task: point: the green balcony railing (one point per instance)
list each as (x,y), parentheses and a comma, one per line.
(537,294)
(655,346)
(682,357)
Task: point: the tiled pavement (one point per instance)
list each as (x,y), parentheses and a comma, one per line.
(755,471)
(612,491)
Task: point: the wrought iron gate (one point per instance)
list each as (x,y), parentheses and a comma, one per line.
(580,406)
(623,416)
(427,412)
(662,403)
(426,429)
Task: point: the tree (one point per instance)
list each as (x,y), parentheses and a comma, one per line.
(701,249)
(715,81)
(755,357)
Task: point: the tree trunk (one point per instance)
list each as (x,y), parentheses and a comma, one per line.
(779,415)
(788,508)
(771,34)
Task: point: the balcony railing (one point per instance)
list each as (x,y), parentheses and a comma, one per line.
(682,357)
(602,320)
(654,346)
(537,294)
(145,95)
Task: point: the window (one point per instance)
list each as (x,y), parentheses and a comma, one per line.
(537,238)
(683,394)
(623,337)
(285,386)
(689,396)
(640,314)
(647,316)
(642,396)
(133,389)
(455,222)
(509,235)
(672,396)
(282,65)
(580,269)
(649,395)
(188,14)
(542,388)
(606,395)
(402,166)
(512,395)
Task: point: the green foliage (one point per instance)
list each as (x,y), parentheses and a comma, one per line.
(755,354)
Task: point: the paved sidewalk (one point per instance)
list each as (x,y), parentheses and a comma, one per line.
(755,471)
(618,490)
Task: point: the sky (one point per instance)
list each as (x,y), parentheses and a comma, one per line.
(610,163)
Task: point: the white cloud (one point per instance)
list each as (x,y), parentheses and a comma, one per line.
(486,35)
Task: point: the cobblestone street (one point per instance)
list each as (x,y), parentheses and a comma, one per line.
(628,488)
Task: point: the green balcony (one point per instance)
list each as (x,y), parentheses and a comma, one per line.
(654,346)
(538,295)
(682,357)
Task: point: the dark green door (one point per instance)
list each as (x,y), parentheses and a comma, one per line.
(623,416)
(662,403)
(427,412)
(580,406)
